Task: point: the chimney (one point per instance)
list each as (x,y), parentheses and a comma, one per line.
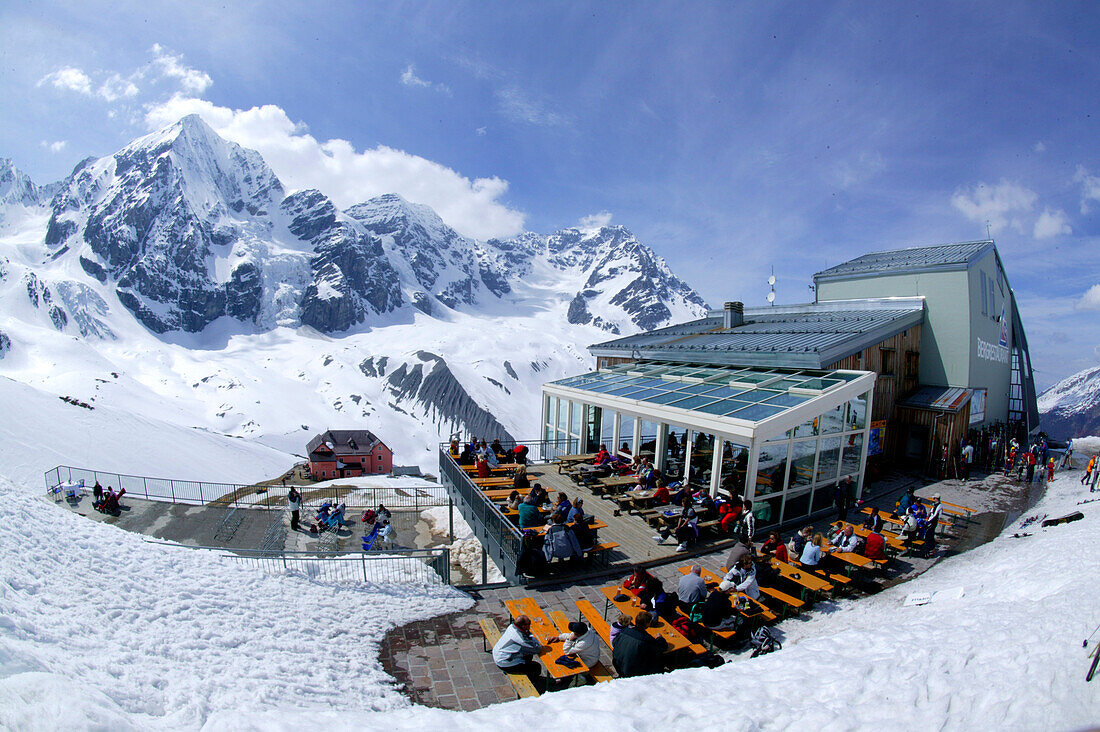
(733,315)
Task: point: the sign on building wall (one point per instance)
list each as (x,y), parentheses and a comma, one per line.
(877,439)
(977,406)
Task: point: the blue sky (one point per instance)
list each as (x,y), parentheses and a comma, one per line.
(731,138)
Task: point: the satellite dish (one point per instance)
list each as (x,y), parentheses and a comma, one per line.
(771,297)
(771,279)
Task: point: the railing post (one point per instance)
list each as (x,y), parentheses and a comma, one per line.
(363,561)
(201,501)
(145,483)
(484,565)
(172,485)
(451,519)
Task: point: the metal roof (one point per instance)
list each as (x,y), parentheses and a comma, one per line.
(794,336)
(938,398)
(921,259)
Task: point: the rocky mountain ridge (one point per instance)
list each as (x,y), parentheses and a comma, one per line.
(1071,408)
(196,239)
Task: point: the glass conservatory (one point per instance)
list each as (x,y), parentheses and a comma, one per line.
(781,437)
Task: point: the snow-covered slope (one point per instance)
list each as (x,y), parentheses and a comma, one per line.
(1071,408)
(180,265)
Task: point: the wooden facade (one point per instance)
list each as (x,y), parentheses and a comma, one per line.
(920,434)
(904,376)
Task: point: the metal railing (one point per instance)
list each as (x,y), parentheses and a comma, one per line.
(199,493)
(390,566)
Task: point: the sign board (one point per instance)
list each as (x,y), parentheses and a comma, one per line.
(977,406)
(877,438)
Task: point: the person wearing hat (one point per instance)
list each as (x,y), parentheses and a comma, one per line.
(933,521)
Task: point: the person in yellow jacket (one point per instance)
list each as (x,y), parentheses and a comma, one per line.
(1088,470)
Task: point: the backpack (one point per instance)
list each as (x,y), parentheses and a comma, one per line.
(762,641)
(684,627)
(369,516)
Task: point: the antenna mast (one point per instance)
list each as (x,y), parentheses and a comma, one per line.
(771,284)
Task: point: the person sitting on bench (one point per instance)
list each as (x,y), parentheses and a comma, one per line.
(559,541)
(685,530)
(637,581)
(775,547)
(692,588)
(636,652)
(718,612)
(846,540)
(514,651)
(873,522)
(742,578)
(581,641)
(875,546)
(811,554)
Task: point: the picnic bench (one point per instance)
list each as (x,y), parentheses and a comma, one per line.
(660,627)
(500,494)
(616,482)
(567,460)
(809,584)
(547,634)
(893,541)
(789,604)
(520,682)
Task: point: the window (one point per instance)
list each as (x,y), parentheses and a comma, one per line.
(985,305)
(887,357)
(912,364)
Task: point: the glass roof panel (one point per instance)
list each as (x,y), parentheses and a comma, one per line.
(788,400)
(760,392)
(756,412)
(692,402)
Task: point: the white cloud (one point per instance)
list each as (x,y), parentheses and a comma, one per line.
(170,66)
(1051,223)
(1040,147)
(1090,300)
(115,87)
(1090,187)
(409,78)
(596,221)
(348,176)
(481,131)
(517,105)
(69,78)
(56,146)
(1001,205)
(849,173)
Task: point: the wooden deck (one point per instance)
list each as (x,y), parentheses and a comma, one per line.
(633,534)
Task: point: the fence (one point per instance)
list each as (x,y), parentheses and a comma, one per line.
(392,566)
(200,493)
(499,537)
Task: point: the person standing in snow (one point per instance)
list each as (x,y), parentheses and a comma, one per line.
(1088,471)
(933,521)
(294,505)
(968,461)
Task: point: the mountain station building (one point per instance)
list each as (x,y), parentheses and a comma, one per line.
(901,353)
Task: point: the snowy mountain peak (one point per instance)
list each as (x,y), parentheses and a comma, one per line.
(1071,408)
(16,187)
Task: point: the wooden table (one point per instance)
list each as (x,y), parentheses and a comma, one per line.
(595,526)
(503,493)
(544,630)
(660,627)
(851,558)
(502,469)
(514,512)
(806,580)
(566,460)
(494,482)
(618,481)
(892,540)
